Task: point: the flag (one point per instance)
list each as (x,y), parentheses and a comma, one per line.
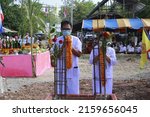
(145,54)
(1,19)
(1,27)
(1,14)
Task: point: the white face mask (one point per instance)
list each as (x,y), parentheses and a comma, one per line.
(66,32)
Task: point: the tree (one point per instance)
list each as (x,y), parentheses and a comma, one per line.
(16,16)
(81,9)
(53,16)
(31,9)
(13,15)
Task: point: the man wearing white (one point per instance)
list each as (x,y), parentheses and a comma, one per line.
(72,73)
(110,61)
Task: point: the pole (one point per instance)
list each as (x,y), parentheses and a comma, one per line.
(72,12)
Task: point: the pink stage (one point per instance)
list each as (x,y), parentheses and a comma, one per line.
(21,66)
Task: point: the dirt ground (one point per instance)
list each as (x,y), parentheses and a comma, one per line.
(130,82)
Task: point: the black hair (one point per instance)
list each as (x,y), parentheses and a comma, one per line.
(64,22)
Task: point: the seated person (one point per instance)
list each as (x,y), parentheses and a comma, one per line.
(138,49)
(131,50)
(123,49)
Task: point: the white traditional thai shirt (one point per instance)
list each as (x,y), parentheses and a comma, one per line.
(110,52)
(72,73)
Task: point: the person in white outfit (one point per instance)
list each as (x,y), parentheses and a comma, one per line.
(110,61)
(72,74)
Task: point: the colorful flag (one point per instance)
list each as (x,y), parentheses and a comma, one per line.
(1,27)
(1,14)
(1,19)
(145,54)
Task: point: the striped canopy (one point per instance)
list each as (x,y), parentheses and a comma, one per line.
(98,24)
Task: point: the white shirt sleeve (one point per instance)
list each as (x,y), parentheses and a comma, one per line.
(91,57)
(78,44)
(112,55)
(93,54)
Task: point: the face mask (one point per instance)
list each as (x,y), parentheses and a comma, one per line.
(66,32)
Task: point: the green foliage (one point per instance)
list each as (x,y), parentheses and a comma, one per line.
(12,15)
(18,17)
(81,8)
(5,2)
(52,16)
(53,30)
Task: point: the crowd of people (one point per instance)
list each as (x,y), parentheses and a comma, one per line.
(15,41)
(10,42)
(131,48)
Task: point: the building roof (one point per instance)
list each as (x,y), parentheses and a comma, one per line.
(132,5)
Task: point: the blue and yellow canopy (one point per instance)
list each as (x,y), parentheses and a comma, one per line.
(98,24)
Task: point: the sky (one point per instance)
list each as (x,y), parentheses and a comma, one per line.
(58,2)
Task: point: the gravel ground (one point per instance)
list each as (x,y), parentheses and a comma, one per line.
(14,84)
(128,81)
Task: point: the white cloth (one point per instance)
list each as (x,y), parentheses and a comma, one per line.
(128,47)
(123,49)
(110,52)
(72,73)
(138,49)
(131,49)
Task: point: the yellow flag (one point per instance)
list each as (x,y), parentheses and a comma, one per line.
(145,49)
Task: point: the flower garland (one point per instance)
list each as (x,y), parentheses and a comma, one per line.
(68,52)
(106,35)
(102,67)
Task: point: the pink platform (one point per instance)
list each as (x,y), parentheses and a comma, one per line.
(20,65)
